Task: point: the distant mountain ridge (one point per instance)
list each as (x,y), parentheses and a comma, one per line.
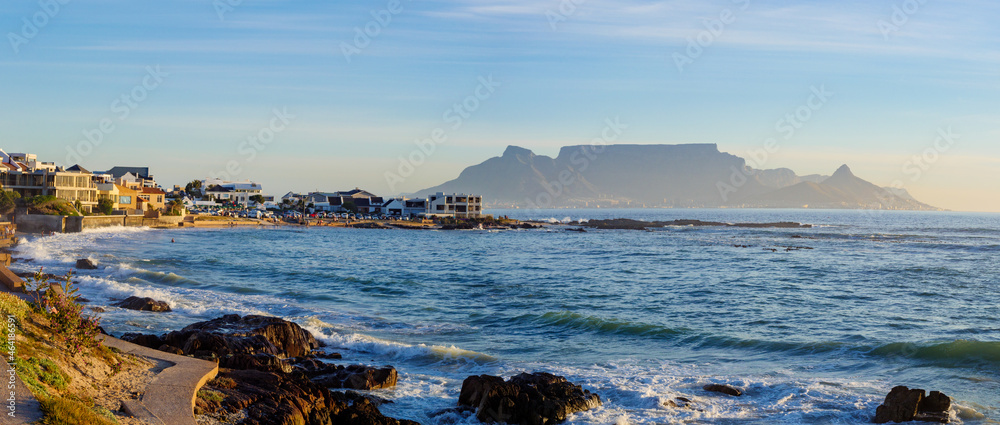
(690,175)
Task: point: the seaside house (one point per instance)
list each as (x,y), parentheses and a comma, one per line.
(135,177)
(24,174)
(457,205)
(153,198)
(403,207)
(237,192)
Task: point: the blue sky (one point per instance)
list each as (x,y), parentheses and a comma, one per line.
(900,72)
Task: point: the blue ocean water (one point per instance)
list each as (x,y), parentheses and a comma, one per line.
(815,324)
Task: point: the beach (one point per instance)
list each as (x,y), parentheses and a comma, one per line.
(814,335)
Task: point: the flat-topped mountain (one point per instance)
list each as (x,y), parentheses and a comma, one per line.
(692,175)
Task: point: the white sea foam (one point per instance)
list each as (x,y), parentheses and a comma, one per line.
(361,343)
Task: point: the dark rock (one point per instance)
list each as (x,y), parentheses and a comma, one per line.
(724,389)
(170,349)
(629,224)
(282,399)
(143,304)
(150,341)
(534,399)
(903,405)
(85,264)
(679,403)
(359,377)
(96,309)
(328,356)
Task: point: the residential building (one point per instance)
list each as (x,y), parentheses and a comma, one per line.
(24,174)
(136,176)
(238,192)
(403,207)
(362,200)
(124,199)
(456,205)
(153,198)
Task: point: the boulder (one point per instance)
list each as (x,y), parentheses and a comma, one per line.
(528,399)
(724,389)
(286,399)
(358,377)
(903,405)
(251,342)
(143,304)
(85,264)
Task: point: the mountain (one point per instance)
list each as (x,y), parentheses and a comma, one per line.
(841,190)
(692,175)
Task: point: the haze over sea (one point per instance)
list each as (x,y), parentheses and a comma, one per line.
(813,335)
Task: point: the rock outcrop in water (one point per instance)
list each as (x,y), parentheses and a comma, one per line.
(143,304)
(723,389)
(629,224)
(904,405)
(85,264)
(274,398)
(526,399)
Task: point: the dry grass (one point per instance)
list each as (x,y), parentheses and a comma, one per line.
(67,411)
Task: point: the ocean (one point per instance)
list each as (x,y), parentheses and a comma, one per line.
(817,325)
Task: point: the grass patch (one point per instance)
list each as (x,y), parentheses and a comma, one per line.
(40,374)
(210,395)
(11,305)
(65,411)
(223,382)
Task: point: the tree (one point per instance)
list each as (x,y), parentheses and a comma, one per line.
(350,206)
(257,198)
(105,206)
(8,201)
(193,188)
(175,207)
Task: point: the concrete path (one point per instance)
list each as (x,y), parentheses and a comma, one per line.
(170,396)
(26,407)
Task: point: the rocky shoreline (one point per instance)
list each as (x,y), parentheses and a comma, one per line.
(272,372)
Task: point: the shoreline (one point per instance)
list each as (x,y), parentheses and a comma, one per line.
(161,330)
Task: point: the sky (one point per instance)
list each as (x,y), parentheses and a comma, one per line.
(399,95)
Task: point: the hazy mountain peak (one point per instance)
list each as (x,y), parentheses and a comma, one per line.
(843,171)
(517,150)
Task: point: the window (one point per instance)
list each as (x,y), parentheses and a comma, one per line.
(125,200)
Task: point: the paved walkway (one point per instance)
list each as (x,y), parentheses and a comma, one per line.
(169,398)
(26,407)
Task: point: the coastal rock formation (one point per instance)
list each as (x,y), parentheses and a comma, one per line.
(355,377)
(629,224)
(527,399)
(359,377)
(143,304)
(85,264)
(276,398)
(251,342)
(724,389)
(903,405)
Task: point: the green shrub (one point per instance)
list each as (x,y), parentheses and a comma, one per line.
(37,373)
(77,332)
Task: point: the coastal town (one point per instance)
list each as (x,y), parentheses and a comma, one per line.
(33,192)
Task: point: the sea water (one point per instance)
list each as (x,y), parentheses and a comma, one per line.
(816,325)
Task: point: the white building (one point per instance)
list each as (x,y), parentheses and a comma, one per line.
(457,205)
(403,207)
(239,192)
